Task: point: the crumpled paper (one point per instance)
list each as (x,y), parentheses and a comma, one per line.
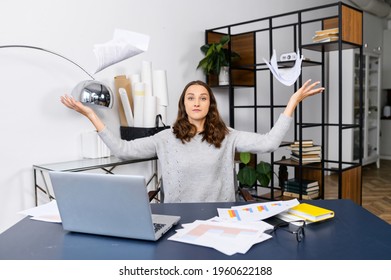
(287,76)
(125,44)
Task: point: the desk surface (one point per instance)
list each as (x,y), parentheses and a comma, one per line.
(354,233)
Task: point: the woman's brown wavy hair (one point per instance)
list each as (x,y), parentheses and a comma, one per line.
(214,128)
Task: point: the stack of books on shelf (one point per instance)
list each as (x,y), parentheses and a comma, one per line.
(309,152)
(326,35)
(309,188)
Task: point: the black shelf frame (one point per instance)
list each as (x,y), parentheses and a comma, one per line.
(335,12)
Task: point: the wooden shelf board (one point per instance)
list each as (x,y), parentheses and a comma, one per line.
(329,46)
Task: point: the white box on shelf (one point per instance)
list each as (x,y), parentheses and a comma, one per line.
(93,146)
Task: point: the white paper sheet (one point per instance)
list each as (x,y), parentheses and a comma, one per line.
(124,45)
(46,212)
(287,76)
(226,237)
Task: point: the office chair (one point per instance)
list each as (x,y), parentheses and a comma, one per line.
(153,194)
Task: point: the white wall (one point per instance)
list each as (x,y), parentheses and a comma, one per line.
(35,127)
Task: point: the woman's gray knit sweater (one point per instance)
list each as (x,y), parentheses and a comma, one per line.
(197,171)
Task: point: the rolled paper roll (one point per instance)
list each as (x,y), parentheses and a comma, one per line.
(123,82)
(134,78)
(149,111)
(161,110)
(139,104)
(146,77)
(126,105)
(160,88)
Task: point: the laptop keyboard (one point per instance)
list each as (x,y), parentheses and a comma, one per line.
(158,226)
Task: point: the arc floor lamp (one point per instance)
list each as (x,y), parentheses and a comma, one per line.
(87,91)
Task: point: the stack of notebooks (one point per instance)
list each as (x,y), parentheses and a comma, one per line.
(311,212)
(309,188)
(309,152)
(326,35)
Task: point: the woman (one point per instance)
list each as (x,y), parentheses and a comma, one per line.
(197,155)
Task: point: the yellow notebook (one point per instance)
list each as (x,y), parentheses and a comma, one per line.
(311,212)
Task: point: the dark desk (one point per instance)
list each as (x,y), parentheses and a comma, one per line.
(354,233)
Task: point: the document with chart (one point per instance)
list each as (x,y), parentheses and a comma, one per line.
(256,211)
(226,237)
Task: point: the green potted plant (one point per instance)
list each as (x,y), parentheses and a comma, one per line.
(249,175)
(217,58)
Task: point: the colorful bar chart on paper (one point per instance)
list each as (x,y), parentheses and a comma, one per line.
(256,211)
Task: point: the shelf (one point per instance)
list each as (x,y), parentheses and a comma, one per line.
(330,46)
(350,35)
(240,76)
(328,165)
(282,65)
(250,72)
(290,162)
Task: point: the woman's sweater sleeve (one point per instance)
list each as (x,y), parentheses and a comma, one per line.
(263,143)
(135,149)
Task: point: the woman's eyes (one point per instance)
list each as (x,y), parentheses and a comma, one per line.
(192,98)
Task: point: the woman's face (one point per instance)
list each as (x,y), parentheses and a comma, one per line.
(197,102)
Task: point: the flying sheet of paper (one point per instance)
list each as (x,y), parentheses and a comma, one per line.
(256,211)
(287,76)
(124,45)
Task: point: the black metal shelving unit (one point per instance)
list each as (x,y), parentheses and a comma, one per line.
(299,27)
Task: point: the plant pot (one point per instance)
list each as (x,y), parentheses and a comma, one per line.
(224,76)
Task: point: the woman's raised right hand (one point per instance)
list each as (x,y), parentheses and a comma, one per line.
(73,104)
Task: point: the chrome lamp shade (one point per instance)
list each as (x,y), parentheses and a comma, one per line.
(92,92)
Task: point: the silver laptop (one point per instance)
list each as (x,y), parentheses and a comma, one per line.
(114,205)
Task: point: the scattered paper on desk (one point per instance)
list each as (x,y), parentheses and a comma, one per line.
(256,211)
(236,229)
(286,76)
(227,237)
(124,45)
(46,212)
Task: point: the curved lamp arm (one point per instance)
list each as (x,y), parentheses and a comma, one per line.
(89,92)
(48,51)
